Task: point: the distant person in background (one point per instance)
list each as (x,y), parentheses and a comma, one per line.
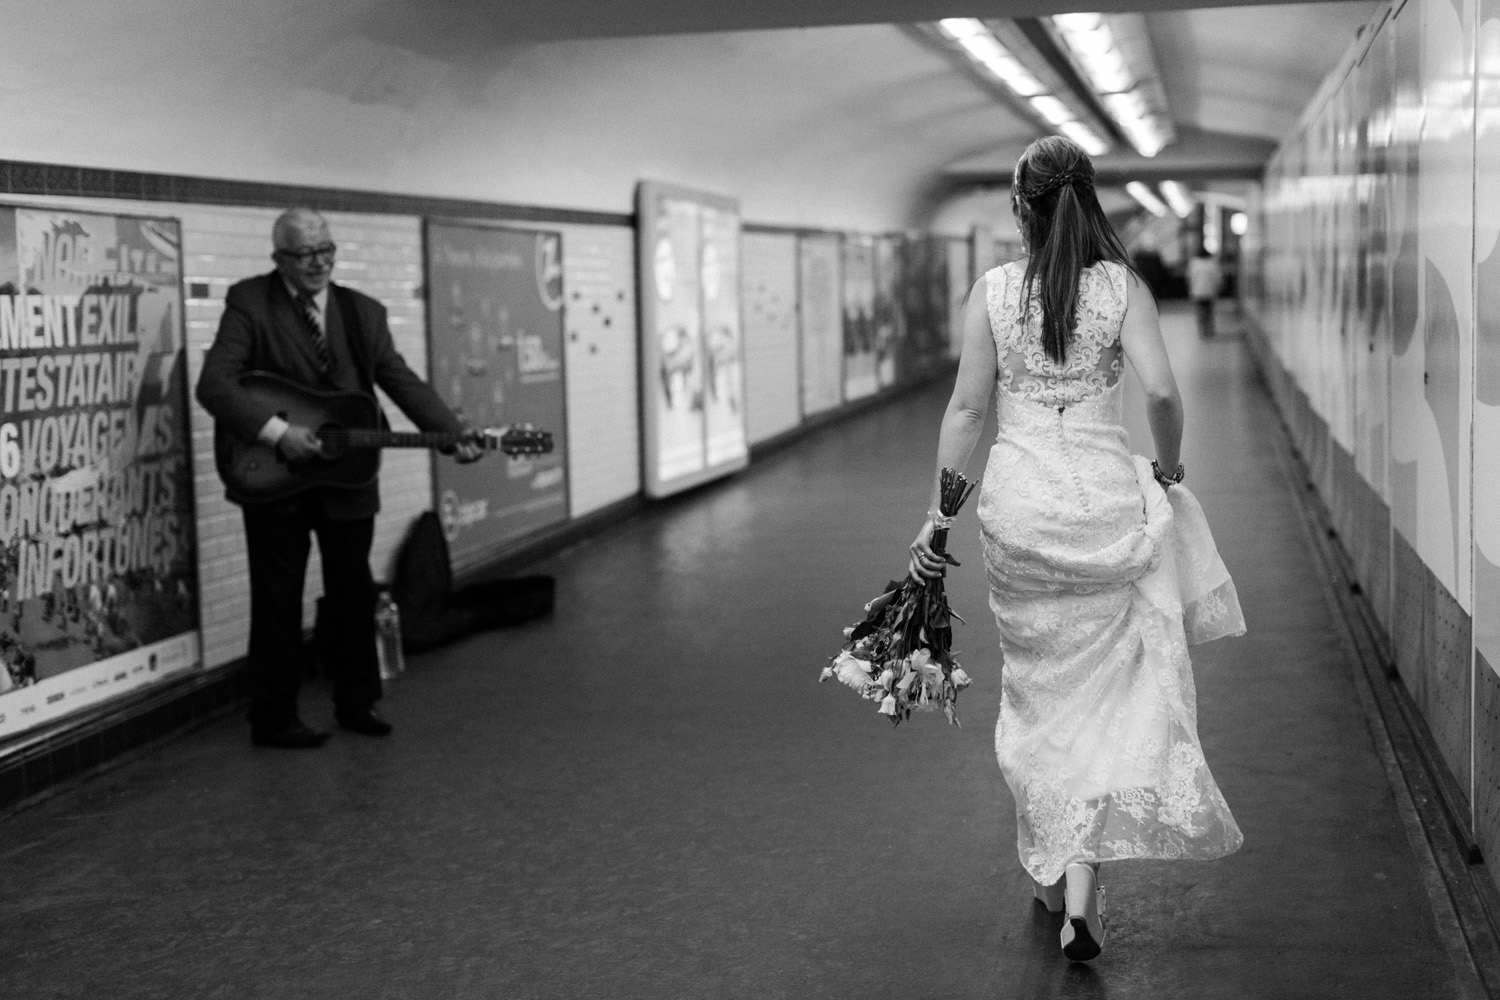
(1204,278)
(295,323)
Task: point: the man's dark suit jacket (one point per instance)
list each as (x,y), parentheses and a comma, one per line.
(261,331)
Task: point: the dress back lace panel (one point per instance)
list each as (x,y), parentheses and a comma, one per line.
(1098,580)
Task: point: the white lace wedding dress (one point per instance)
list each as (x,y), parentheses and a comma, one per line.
(1099,581)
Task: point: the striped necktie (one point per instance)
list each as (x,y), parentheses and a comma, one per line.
(309,310)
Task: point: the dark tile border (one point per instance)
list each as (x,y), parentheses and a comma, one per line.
(83,744)
(23,177)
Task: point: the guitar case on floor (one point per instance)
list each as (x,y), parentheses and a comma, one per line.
(433,613)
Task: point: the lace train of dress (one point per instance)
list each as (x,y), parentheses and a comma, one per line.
(1099,581)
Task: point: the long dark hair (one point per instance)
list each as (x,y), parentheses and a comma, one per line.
(1065,231)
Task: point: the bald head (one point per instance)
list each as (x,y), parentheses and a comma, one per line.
(294,224)
(303,249)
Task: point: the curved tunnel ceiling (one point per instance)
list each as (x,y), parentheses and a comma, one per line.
(860,126)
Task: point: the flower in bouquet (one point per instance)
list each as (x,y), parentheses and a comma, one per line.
(901,654)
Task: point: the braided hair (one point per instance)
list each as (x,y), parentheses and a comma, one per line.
(1066,231)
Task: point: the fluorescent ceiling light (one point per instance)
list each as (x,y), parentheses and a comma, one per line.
(1078,22)
(1178,198)
(987,51)
(1088,140)
(1052,109)
(1093,44)
(962,27)
(983,47)
(1015,76)
(1146,140)
(1127,106)
(1144,195)
(1107,70)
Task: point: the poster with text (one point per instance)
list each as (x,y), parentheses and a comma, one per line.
(98,571)
(860,332)
(692,347)
(495,319)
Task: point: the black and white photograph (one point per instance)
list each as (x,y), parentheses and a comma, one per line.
(900,500)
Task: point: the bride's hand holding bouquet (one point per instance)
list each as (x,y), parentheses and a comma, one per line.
(900,653)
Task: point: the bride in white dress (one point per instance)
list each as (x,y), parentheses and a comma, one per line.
(1101,566)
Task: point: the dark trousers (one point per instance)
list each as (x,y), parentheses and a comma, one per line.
(279,541)
(1205,309)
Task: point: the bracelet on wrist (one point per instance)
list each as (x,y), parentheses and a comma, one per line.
(939,521)
(1165,480)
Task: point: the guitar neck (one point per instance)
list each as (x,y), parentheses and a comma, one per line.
(359,438)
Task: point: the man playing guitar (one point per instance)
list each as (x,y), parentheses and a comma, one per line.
(295,323)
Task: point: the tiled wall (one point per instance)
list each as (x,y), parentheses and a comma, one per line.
(1375,285)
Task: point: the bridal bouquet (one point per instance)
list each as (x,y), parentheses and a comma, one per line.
(900,654)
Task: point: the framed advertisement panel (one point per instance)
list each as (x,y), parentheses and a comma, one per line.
(861,341)
(98,564)
(495,350)
(820,313)
(692,346)
(890,318)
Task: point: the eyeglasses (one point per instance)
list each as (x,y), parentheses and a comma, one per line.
(304,257)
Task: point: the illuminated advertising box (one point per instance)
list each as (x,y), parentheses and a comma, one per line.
(692,349)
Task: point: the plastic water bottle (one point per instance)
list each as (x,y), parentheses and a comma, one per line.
(388,636)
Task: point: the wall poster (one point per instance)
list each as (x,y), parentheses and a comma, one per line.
(861,347)
(495,321)
(960,279)
(98,568)
(890,316)
(924,300)
(820,312)
(692,347)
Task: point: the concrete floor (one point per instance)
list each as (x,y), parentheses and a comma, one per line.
(651,796)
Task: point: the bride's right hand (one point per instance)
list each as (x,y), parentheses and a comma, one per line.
(926,564)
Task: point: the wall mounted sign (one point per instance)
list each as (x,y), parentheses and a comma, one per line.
(98,568)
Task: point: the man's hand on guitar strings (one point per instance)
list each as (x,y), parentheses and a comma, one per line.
(299,444)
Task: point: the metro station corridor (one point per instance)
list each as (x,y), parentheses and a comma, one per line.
(651,796)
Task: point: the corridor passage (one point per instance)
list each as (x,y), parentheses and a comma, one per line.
(650,796)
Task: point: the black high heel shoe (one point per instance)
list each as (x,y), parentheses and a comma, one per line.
(1083,931)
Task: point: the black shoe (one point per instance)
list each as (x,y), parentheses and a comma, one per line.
(363,720)
(295,736)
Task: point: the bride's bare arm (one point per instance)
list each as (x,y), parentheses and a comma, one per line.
(963,421)
(1140,336)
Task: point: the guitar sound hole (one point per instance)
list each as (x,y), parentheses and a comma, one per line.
(335,441)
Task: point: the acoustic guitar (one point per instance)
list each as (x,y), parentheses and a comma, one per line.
(349,426)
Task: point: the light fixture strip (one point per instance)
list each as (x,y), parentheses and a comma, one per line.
(991,55)
(1127,87)
(1177,196)
(1147,198)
